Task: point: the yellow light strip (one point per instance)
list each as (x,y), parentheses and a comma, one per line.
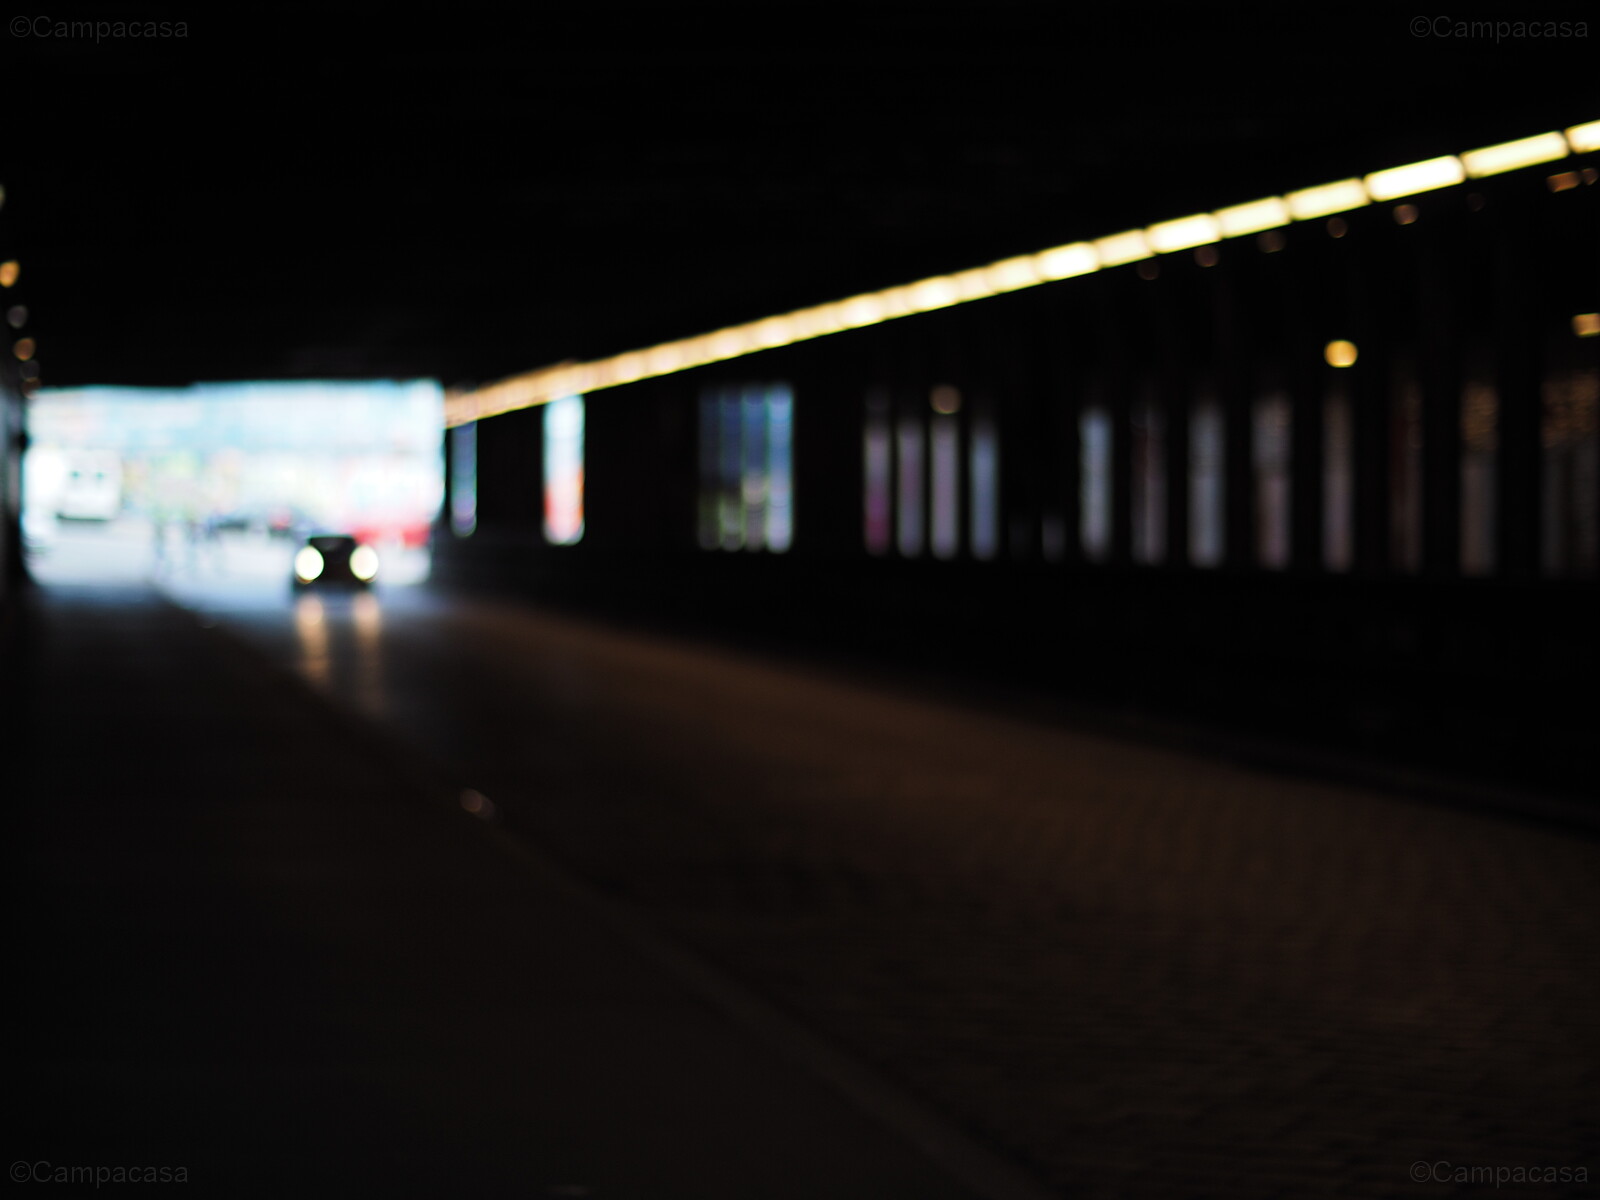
(1008,275)
(1184,233)
(1584,138)
(1508,156)
(1254,217)
(1066,262)
(1121,248)
(1310,203)
(1013,273)
(1415,177)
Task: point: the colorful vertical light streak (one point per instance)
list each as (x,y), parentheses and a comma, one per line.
(563,471)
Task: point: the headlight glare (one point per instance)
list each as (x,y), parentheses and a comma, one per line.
(307,564)
(364,563)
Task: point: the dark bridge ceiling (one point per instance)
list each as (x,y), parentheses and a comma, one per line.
(461,193)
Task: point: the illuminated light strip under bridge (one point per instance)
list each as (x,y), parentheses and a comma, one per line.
(1008,275)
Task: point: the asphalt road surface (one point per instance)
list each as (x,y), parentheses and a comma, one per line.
(1124,969)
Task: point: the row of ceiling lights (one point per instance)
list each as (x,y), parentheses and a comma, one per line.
(1200,230)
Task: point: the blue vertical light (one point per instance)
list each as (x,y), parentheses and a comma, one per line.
(909,514)
(1094,473)
(780,468)
(984,465)
(464,479)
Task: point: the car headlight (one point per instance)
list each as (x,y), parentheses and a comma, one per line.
(364,563)
(307,564)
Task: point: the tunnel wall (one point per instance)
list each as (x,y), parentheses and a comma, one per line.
(1395,552)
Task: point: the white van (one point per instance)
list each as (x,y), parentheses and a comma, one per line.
(91,487)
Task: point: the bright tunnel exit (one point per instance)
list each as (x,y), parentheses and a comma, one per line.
(223,485)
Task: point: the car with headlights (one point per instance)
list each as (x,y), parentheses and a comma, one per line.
(334,560)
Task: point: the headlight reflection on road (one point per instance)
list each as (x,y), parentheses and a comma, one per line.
(367,612)
(310,626)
